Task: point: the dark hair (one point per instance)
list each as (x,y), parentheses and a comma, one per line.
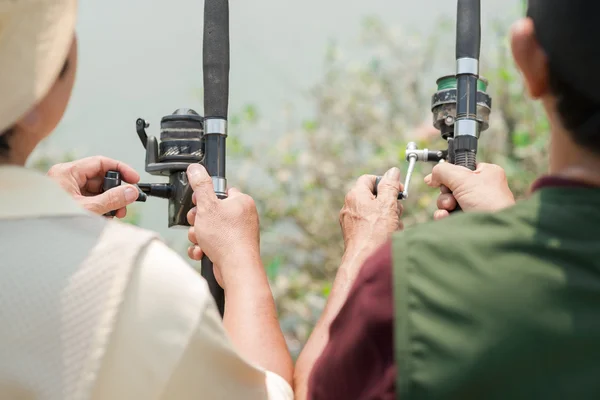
(578,113)
(4,146)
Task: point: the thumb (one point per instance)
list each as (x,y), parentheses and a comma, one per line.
(233,192)
(448,175)
(390,185)
(113,199)
(200,182)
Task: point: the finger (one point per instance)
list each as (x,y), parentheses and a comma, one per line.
(427,179)
(389,187)
(191,216)
(98,166)
(113,199)
(201,183)
(444,189)
(483,166)
(93,186)
(195,253)
(400,208)
(440,214)
(233,192)
(448,175)
(121,213)
(446,201)
(366,183)
(194,198)
(192,235)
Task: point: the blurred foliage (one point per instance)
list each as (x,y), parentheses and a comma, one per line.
(364,115)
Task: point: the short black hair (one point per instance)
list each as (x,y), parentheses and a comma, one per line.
(579,114)
(567,31)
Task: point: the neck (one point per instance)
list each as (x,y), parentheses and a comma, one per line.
(20,149)
(14,159)
(570,161)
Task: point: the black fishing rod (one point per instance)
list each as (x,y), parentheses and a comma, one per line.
(188,138)
(216,104)
(461,107)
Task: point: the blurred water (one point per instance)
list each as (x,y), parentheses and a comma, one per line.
(142,58)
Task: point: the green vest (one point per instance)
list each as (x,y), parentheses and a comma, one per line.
(504,305)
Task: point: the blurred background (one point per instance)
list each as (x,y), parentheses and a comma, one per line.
(320,93)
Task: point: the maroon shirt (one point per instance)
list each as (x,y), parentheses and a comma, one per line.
(358,362)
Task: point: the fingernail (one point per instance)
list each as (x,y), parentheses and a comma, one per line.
(131,194)
(393,174)
(427,179)
(194,169)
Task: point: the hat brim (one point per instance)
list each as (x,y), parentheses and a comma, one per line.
(35,39)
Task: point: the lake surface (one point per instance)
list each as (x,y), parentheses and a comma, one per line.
(143,58)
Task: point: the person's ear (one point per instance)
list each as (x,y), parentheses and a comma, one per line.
(530,58)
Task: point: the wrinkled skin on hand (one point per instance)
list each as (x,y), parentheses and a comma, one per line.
(367,220)
(225,230)
(83,180)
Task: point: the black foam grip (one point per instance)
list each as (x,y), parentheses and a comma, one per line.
(216,290)
(468,29)
(216,58)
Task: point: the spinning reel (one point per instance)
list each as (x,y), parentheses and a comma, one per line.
(181,144)
(461,106)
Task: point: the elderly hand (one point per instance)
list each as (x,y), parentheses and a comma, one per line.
(485,189)
(83,180)
(367,220)
(227,230)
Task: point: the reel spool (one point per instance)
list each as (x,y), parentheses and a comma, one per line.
(443,105)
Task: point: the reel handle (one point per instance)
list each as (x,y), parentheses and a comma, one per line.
(112,179)
(414,154)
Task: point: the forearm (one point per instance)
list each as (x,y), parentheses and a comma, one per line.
(251,320)
(319,338)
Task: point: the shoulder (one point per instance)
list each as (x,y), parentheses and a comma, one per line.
(475,232)
(163,271)
(453,276)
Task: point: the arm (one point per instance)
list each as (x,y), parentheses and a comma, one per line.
(367,221)
(228,232)
(319,338)
(251,318)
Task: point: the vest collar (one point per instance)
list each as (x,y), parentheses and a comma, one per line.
(557,181)
(26,193)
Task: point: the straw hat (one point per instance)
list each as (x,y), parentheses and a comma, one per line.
(35,38)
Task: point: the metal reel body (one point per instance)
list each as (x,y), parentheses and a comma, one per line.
(181,144)
(443,105)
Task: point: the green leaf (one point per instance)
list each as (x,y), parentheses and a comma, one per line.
(273,268)
(309,125)
(521,139)
(251,113)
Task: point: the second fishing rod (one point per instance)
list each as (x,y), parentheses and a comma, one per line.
(461,106)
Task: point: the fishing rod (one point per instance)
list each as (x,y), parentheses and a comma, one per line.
(187,138)
(461,107)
